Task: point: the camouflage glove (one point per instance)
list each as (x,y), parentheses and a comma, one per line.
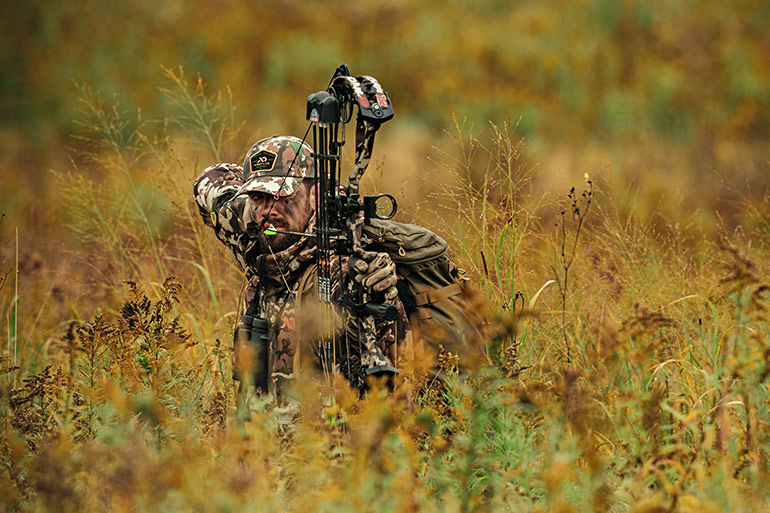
(376,272)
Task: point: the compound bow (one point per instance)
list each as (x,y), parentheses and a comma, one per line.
(341,212)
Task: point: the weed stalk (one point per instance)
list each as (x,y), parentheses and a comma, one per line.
(578,212)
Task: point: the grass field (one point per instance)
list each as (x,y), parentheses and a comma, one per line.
(598,168)
(630,358)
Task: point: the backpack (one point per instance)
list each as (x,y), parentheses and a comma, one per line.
(435,294)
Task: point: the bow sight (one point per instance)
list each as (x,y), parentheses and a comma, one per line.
(340,212)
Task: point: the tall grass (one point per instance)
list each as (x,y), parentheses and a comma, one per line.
(663,404)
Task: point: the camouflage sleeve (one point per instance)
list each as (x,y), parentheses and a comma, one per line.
(391,335)
(215,193)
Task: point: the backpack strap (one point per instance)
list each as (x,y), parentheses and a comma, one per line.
(305,285)
(423,299)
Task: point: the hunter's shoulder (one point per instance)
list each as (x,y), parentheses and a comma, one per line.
(225,167)
(217,180)
(222,173)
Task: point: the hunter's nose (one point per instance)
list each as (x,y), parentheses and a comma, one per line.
(268,207)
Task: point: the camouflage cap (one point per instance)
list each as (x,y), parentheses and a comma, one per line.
(277,165)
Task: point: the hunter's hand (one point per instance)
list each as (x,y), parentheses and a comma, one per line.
(377,272)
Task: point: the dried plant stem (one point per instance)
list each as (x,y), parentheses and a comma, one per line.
(563,291)
(578,217)
(15,306)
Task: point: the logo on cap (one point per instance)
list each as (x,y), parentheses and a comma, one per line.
(263,161)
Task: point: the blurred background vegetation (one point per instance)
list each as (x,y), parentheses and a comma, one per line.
(666,95)
(108,111)
(666,103)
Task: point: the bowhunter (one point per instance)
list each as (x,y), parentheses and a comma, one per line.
(332,285)
(277,190)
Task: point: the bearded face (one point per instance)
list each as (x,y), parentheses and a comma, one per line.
(288,213)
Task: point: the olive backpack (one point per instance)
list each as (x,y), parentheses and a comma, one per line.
(434,292)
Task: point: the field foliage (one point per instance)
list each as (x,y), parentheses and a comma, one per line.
(628,364)
(599,169)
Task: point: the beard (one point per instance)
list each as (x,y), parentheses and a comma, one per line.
(275,243)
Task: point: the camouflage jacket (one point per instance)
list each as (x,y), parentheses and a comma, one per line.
(281,288)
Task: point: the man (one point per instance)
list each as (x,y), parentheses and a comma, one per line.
(275,191)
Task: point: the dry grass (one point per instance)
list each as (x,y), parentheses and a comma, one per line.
(630,361)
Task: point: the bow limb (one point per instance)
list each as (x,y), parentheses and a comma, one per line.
(372,358)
